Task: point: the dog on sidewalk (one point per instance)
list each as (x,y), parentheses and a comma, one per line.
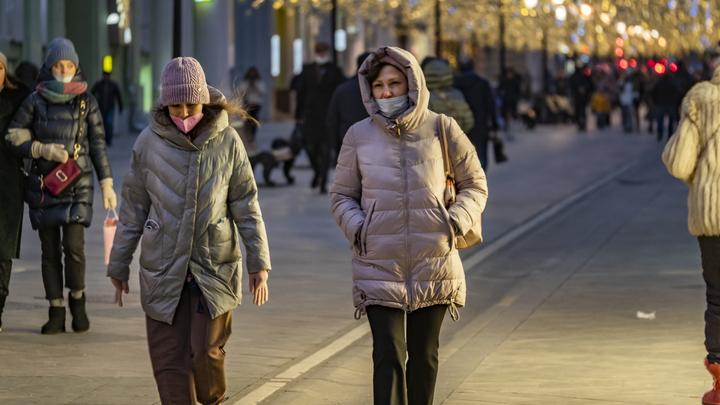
(281,153)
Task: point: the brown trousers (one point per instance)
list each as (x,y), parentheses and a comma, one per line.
(187,357)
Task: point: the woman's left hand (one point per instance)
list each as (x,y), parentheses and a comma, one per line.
(259,287)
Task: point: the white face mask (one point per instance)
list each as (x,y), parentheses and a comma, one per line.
(321,60)
(63,79)
(393,107)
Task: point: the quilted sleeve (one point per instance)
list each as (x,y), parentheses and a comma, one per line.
(470,181)
(133,212)
(245,210)
(346,190)
(23,119)
(96,139)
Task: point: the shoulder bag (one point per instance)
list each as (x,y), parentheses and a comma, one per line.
(65,175)
(473,237)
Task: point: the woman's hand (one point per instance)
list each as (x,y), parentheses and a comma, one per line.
(120,288)
(259,287)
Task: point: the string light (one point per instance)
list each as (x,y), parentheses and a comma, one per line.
(644,27)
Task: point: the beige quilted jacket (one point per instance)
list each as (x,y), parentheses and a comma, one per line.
(387,197)
(185,200)
(693,155)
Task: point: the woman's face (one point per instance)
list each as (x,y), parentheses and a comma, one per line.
(2,74)
(390,83)
(183,111)
(64,68)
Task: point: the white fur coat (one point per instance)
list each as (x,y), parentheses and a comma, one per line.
(693,155)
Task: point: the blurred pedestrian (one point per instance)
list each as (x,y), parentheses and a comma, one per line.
(649,80)
(315,87)
(691,155)
(628,97)
(684,79)
(444,99)
(479,96)
(188,213)
(12,94)
(510,93)
(346,107)
(602,100)
(254,92)
(666,97)
(27,73)
(582,88)
(107,92)
(384,196)
(62,117)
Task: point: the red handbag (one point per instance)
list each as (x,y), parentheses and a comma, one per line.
(63,177)
(66,175)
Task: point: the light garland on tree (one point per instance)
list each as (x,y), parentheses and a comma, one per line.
(646,27)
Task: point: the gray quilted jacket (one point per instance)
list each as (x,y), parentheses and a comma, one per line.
(185,199)
(387,196)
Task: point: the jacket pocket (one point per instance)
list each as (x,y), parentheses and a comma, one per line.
(448,222)
(223,242)
(365,227)
(151,251)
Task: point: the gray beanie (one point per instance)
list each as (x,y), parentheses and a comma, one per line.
(61,49)
(183,82)
(3,61)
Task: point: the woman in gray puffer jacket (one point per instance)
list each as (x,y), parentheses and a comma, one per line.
(190,184)
(387,196)
(45,130)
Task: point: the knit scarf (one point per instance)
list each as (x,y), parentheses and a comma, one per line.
(59,92)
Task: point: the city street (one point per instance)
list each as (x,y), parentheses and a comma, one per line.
(582,232)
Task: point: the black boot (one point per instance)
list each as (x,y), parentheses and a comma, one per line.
(80,322)
(2,305)
(56,324)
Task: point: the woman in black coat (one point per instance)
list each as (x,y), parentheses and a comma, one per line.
(45,129)
(12,94)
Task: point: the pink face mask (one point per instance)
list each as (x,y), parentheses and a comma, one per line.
(188,123)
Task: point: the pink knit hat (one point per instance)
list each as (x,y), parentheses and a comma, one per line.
(183,82)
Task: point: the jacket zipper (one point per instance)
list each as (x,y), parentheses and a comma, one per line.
(408,276)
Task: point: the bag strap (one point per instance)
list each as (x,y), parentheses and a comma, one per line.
(81,120)
(447,162)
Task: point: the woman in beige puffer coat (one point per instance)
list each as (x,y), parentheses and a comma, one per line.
(693,156)
(387,196)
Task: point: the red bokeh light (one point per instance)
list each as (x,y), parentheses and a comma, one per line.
(659,68)
(664,61)
(673,67)
(619,52)
(619,42)
(651,64)
(588,72)
(633,63)
(623,64)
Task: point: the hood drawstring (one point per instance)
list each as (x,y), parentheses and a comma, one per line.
(452,308)
(360,308)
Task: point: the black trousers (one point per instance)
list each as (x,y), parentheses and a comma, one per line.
(710,251)
(319,154)
(5,269)
(72,244)
(394,382)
